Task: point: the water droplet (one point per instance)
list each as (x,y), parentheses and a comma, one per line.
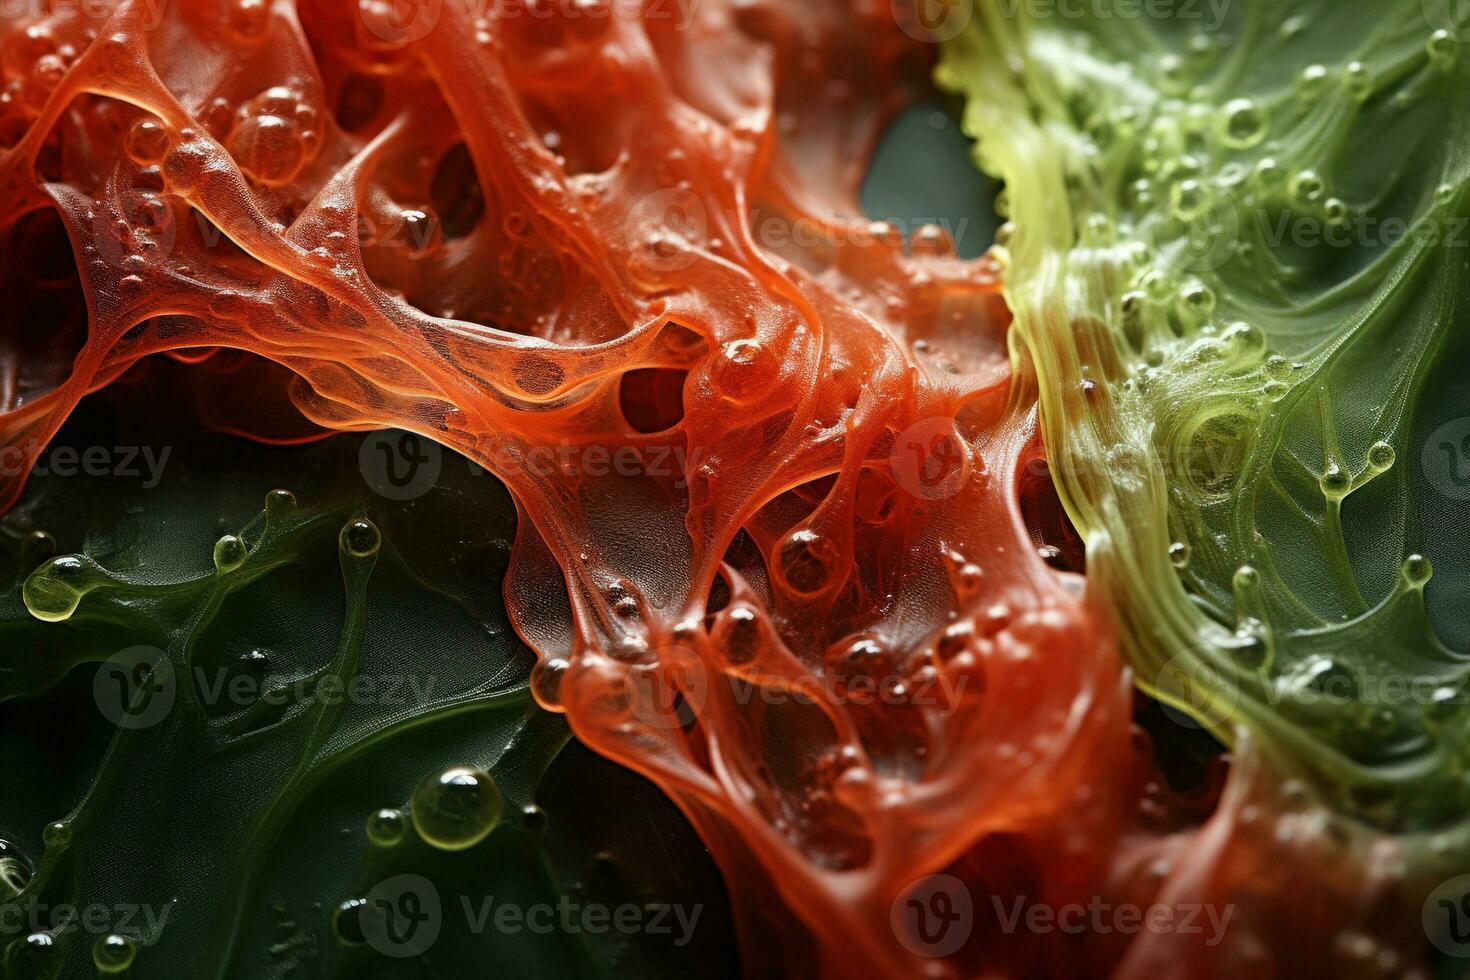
(1244,124)
(1278,368)
(457,808)
(386,827)
(147,141)
(1442,48)
(1179,554)
(1246,578)
(36,955)
(546,679)
(1311,81)
(804,565)
(1381,456)
(347,921)
(1189,199)
(56,834)
(1336,482)
(1196,303)
(360,538)
(53,591)
(15,871)
(229,553)
(1308,187)
(114,953)
(1444,193)
(1359,80)
(268,148)
(255,661)
(1268,174)
(533,818)
(1335,210)
(1417,570)
(278,501)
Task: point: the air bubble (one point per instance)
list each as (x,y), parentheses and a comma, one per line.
(386,827)
(360,538)
(457,808)
(229,553)
(114,953)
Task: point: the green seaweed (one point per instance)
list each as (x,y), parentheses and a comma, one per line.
(216,742)
(1237,256)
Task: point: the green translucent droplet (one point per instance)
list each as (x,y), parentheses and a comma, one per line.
(386,827)
(1246,578)
(456,808)
(1179,554)
(1335,210)
(1278,368)
(56,834)
(1381,456)
(229,553)
(1444,193)
(114,953)
(1442,48)
(360,538)
(53,591)
(1417,570)
(1311,81)
(1335,482)
(1359,80)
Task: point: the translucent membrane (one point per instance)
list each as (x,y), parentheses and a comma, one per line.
(774,472)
